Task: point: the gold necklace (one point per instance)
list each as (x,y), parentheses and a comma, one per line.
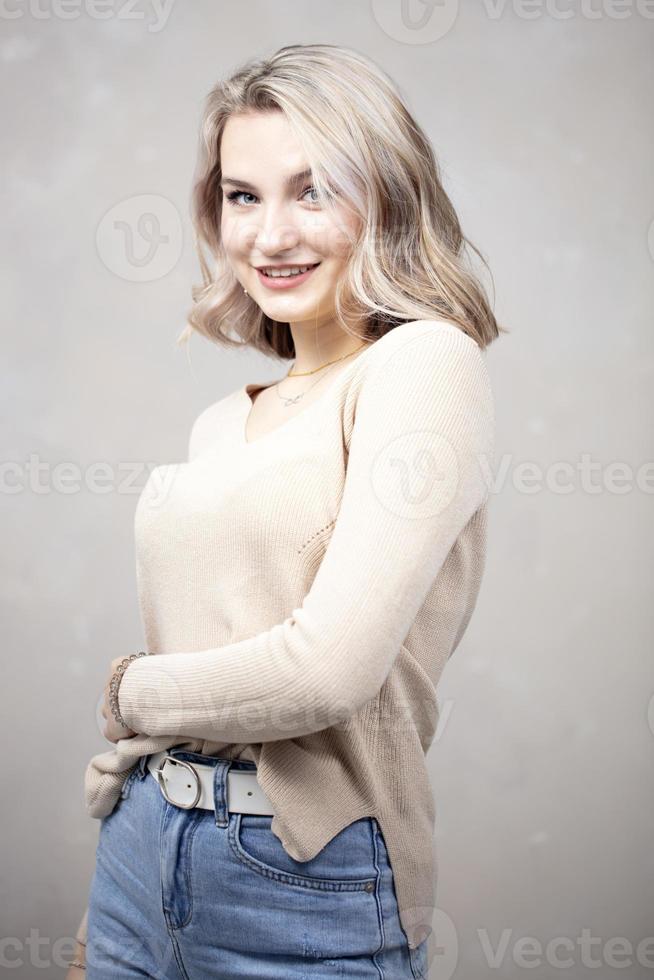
(299,374)
(295,398)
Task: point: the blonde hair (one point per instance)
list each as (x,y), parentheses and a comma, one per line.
(409,259)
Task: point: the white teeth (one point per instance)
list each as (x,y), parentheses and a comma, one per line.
(285,273)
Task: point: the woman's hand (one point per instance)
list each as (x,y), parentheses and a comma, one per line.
(76,972)
(112,730)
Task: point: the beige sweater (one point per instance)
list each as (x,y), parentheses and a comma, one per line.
(304,591)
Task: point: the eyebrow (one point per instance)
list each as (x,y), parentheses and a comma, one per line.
(290,181)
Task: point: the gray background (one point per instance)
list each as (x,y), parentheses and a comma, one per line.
(541,117)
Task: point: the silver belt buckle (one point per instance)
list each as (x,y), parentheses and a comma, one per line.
(161,779)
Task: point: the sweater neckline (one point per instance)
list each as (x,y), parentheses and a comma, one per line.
(246,391)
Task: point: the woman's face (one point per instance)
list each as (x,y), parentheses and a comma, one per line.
(270,220)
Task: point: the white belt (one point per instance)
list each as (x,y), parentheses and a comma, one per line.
(189,785)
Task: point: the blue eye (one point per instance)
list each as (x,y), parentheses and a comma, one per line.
(233,195)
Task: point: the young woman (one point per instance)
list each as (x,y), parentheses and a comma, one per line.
(305,575)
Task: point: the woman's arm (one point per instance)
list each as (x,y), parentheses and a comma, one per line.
(80,935)
(418,466)
(79,955)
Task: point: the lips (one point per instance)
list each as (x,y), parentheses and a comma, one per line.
(265,269)
(288,281)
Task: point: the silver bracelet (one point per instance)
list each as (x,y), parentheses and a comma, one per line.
(80,966)
(114,684)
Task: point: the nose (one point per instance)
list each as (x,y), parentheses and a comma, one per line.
(277,231)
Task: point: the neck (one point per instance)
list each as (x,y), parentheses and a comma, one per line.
(314,346)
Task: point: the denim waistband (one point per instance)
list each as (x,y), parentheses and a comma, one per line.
(221,768)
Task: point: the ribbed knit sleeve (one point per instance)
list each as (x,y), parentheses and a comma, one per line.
(419,455)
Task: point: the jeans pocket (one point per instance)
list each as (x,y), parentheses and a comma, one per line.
(346,862)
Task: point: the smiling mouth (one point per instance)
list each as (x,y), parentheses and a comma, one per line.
(289,273)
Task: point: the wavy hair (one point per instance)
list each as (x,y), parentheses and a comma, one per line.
(409,258)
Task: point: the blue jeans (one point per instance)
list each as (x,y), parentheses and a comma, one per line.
(199,894)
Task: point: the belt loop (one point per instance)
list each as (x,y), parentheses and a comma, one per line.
(143,766)
(220,801)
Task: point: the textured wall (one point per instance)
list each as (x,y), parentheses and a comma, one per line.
(541,115)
